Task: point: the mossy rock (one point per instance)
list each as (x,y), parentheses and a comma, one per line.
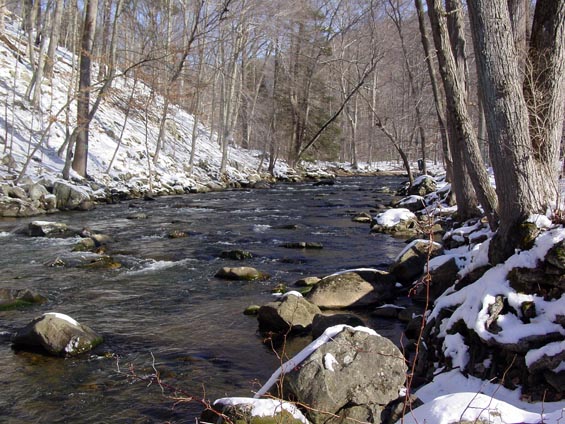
(251,310)
(14,298)
(103,262)
(241,414)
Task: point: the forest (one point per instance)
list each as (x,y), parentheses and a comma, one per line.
(348,81)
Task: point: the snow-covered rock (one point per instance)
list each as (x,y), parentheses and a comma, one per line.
(57,334)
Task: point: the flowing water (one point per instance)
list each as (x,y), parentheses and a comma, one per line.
(164,309)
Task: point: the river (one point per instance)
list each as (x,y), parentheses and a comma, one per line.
(164,308)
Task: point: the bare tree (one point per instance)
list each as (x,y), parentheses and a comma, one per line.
(456,94)
(80,158)
(524,134)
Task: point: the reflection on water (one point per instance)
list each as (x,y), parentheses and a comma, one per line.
(164,304)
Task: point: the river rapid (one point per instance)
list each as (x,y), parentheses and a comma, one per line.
(164,309)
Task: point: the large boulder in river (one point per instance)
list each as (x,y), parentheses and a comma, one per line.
(56,334)
(71,197)
(355,375)
(346,290)
(290,313)
(245,273)
(410,263)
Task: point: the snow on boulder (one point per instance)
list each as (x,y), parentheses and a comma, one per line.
(399,220)
(57,334)
(423,185)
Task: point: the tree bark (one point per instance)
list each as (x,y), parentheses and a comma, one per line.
(80,157)
(438,100)
(53,39)
(523,181)
(457,100)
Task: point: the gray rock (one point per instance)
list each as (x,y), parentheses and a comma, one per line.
(407,226)
(12,207)
(307,282)
(87,260)
(56,334)
(71,197)
(37,192)
(241,273)
(424,185)
(411,262)
(137,216)
(343,291)
(363,218)
(442,277)
(17,193)
(354,375)
(47,228)
(412,203)
(291,313)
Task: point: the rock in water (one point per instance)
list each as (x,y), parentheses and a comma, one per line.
(245,273)
(292,313)
(12,298)
(343,291)
(57,334)
(354,375)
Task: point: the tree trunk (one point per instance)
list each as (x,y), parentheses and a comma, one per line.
(53,39)
(438,100)
(2,16)
(523,181)
(457,101)
(545,91)
(80,157)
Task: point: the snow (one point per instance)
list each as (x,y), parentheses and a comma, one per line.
(446,403)
(471,407)
(473,301)
(63,317)
(288,293)
(263,407)
(551,349)
(393,217)
(329,362)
